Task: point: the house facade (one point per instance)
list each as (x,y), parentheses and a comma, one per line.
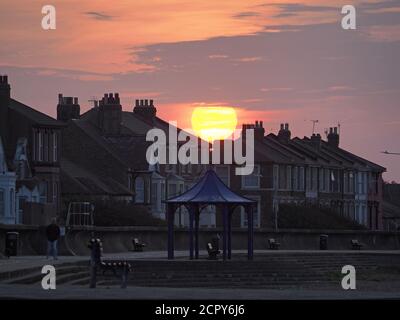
(309,171)
(31,152)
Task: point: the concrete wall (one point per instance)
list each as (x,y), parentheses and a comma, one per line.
(119,239)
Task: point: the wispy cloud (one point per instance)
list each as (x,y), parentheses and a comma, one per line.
(249,59)
(98,15)
(247,14)
(218,56)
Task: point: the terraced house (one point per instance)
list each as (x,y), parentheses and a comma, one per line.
(30,157)
(101,155)
(309,170)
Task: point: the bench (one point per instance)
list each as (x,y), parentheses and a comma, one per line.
(355,245)
(273,244)
(118,268)
(212,252)
(138,245)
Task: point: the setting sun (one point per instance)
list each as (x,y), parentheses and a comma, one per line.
(214,123)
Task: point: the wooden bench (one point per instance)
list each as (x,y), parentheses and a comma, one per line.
(355,245)
(273,244)
(138,245)
(119,269)
(212,252)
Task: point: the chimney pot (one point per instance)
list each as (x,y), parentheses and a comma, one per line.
(335,130)
(76,100)
(137,103)
(282,126)
(151,103)
(261,124)
(141,103)
(5,79)
(286,126)
(256,123)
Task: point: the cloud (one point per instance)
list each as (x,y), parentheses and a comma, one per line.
(248,59)
(380,5)
(276,89)
(384,33)
(98,15)
(218,56)
(294,9)
(247,14)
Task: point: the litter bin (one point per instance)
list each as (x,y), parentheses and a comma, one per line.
(323,242)
(11,243)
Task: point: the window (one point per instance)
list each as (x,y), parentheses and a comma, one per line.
(40,146)
(346,182)
(162,196)
(366,181)
(288,177)
(2,203)
(301,179)
(275,176)
(351,182)
(43,191)
(139,190)
(282,177)
(21,203)
(327,180)
(154,194)
(12,202)
(321,179)
(295,179)
(314,179)
(223,174)
(256,214)
(55,147)
(46,147)
(361,183)
(172,190)
(252,180)
(334,183)
(55,192)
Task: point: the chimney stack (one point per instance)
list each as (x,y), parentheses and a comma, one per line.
(68,108)
(5,91)
(333,137)
(284,133)
(316,141)
(145,108)
(258,128)
(110,114)
(5,97)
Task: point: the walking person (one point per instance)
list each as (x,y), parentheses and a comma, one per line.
(53,234)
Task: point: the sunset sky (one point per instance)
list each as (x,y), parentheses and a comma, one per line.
(276,61)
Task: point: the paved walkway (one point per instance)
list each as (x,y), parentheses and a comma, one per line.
(75,292)
(25,262)
(365,290)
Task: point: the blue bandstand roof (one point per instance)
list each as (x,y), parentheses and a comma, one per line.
(210,189)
